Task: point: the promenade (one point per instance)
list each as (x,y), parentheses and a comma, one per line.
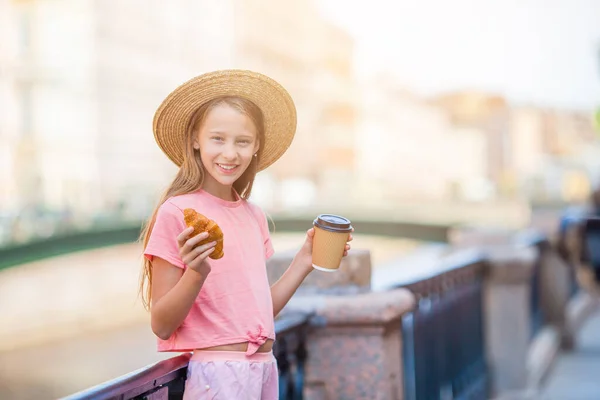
(576,375)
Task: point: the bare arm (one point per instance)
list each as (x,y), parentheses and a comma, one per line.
(175,290)
(173,294)
(283,290)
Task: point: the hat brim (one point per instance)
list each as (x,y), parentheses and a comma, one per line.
(174,114)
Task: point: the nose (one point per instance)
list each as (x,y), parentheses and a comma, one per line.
(229,152)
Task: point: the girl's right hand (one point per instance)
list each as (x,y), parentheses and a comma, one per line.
(192,256)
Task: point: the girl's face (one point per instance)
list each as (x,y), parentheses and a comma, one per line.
(227,141)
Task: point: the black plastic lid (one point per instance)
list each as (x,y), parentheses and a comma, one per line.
(333,223)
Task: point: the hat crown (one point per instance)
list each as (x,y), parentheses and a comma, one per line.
(173,116)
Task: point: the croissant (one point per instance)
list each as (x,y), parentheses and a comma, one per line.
(203,224)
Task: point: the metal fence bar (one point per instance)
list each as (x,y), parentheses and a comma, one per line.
(537,315)
(166,379)
(443,338)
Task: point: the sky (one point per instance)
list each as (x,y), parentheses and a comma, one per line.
(538,52)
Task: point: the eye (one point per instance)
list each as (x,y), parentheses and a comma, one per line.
(217,138)
(244,141)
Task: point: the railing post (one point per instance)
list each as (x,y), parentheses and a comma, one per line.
(555,277)
(507,294)
(356,349)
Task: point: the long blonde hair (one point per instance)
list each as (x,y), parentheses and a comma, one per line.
(190,176)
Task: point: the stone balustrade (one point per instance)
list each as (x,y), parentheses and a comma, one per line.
(488,319)
(484,318)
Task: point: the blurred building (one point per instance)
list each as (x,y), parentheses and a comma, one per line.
(313,59)
(555,154)
(490,115)
(84,94)
(85,78)
(411,150)
(540,154)
(8,108)
(81,80)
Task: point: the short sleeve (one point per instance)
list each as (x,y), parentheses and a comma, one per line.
(264,231)
(163,238)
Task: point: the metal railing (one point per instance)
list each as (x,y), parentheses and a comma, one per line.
(443,338)
(536,311)
(166,379)
(291,354)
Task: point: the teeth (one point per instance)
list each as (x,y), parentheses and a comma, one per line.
(229,167)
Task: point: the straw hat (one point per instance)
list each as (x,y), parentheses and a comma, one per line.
(174,114)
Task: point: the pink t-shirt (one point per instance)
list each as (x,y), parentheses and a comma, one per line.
(234,304)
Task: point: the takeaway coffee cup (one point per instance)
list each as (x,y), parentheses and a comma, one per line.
(329,243)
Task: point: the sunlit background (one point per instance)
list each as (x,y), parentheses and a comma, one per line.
(466,111)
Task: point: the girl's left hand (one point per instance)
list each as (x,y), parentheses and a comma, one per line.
(305,253)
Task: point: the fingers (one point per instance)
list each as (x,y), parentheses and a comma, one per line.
(199,254)
(311,232)
(184,235)
(189,244)
(193,242)
(350,237)
(195,263)
(346,250)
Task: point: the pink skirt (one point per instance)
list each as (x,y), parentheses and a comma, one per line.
(231,375)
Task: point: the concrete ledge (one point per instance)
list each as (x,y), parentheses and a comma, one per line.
(510,264)
(375,308)
(372,308)
(541,355)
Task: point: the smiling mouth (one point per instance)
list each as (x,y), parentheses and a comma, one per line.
(228,167)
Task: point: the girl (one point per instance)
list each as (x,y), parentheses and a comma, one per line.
(220,128)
